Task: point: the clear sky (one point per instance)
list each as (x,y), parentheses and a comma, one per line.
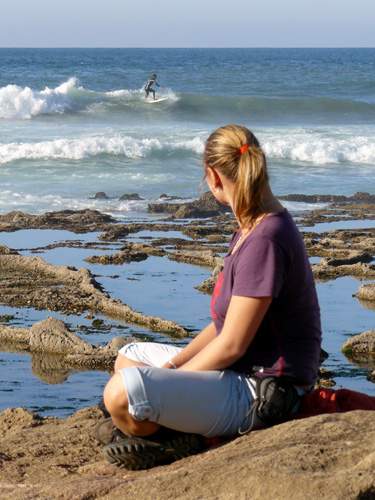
(187,23)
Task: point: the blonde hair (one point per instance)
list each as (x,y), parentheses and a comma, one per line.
(248,169)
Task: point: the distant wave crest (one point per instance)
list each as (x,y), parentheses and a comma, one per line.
(86,147)
(320,148)
(303,146)
(24,103)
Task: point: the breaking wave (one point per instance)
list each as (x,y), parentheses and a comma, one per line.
(296,145)
(24,103)
(86,147)
(320,148)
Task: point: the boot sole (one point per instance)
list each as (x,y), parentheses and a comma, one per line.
(138,453)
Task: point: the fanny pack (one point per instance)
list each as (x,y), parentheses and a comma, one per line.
(276,400)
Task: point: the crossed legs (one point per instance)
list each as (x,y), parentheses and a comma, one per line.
(117,403)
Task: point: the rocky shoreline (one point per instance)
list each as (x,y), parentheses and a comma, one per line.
(30,445)
(330,457)
(31,282)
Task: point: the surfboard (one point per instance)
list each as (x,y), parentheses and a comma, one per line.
(154,101)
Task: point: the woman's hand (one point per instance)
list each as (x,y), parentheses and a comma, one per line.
(244,315)
(196,345)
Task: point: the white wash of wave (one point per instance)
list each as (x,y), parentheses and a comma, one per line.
(86,147)
(137,94)
(24,103)
(320,147)
(51,202)
(300,206)
(33,203)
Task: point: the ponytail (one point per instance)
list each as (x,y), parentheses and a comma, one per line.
(235,152)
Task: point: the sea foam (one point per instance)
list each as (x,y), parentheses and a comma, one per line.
(320,147)
(298,146)
(86,147)
(23,103)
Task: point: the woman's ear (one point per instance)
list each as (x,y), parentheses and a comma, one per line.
(213,179)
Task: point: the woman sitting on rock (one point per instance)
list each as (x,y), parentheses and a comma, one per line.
(265,324)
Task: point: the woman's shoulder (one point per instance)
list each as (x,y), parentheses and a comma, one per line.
(277,225)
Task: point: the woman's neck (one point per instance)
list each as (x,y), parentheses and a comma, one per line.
(270,204)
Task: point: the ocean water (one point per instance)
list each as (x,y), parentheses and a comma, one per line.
(74,121)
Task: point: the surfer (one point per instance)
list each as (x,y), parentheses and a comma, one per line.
(150,84)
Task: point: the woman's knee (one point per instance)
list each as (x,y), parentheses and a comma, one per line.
(121,362)
(127,357)
(115,395)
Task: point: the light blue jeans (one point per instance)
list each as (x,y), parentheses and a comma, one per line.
(210,403)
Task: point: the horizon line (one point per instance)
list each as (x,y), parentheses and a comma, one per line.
(188,47)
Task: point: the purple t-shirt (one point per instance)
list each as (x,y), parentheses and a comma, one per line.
(272,262)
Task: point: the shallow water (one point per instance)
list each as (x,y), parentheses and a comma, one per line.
(322,227)
(344,316)
(164,288)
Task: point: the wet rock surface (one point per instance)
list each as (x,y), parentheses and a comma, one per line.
(206,258)
(52,336)
(205,206)
(55,348)
(325,272)
(131,252)
(329,198)
(7,251)
(100,196)
(362,345)
(130,197)
(79,221)
(31,282)
(367,292)
(327,457)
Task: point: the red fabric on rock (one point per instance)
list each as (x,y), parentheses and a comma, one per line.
(331,401)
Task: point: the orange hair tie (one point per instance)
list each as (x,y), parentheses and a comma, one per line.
(244,149)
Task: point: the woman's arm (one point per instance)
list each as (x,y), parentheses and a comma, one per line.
(196,345)
(244,315)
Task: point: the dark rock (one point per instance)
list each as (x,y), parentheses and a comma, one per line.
(169,197)
(101,195)
(6,318)
(323,355)
(363,197)
(117,258)
(205,206)
(131,252)
(130,197)
(78,221)
(357,257)
(329,198)
(314,198)
(322,271)
(97,323)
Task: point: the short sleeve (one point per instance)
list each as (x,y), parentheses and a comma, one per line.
(260,269)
